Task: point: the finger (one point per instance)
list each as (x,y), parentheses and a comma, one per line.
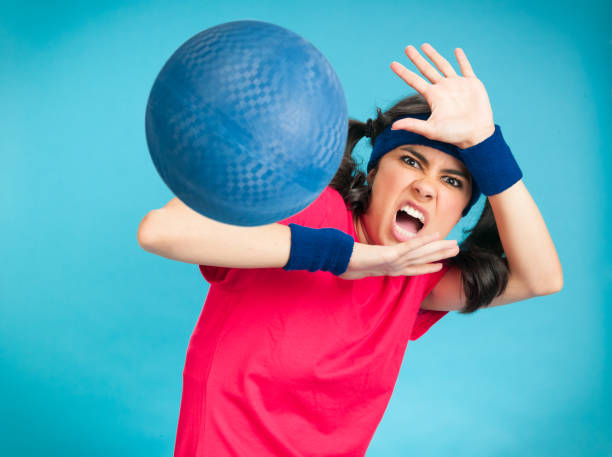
(443,65)
(464,63)
(413,125)
(410,78)
(419,241)
(415,270)
(415,255)
(429,248)
(434,257)
(423,65)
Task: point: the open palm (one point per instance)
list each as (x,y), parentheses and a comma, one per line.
(460,109)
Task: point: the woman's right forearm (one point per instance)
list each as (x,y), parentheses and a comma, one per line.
(177,232)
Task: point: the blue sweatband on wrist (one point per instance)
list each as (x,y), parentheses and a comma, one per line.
(326,249)
(492,164)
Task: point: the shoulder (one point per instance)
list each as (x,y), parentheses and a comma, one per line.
(328,209)
(329,198)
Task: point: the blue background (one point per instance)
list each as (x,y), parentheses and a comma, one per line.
(93,330)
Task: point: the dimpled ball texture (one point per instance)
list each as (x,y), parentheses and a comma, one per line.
(246,123)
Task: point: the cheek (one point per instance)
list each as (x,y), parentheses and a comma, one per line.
(452,206)
(388,183)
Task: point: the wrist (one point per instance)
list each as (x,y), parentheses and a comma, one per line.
(478,137)
(491,164)
(326,249)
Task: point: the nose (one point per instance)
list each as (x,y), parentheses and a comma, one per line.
(424,188)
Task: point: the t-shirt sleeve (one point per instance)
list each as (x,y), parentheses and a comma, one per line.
(214,274)
(425,317)
(315,215)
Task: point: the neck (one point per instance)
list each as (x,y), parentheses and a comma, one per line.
(362,235)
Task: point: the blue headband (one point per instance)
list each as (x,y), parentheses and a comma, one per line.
(390,139)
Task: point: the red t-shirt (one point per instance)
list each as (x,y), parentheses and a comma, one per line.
(294,363)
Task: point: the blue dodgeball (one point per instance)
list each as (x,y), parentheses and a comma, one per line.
(246,123)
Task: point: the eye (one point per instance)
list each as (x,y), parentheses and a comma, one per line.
(454,182)
(409,160)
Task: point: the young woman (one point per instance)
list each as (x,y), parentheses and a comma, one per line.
(304,328)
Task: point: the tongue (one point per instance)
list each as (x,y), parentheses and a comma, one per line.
(408,223)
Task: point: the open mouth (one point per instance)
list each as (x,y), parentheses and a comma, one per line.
(409,220)
(407,224)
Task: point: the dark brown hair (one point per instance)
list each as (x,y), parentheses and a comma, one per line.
(481,259)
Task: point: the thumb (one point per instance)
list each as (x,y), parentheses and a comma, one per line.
(413,125)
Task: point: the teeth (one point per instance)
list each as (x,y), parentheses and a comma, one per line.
(414,213)
(404,232)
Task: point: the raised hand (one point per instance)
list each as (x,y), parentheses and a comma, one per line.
(409,258)
(460,109)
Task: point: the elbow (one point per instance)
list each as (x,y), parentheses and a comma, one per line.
(559,283)
(146,235)
(549,287)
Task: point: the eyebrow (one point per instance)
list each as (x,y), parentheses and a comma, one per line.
(422,158)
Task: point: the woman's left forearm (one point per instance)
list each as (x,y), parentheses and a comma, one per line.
(529,249)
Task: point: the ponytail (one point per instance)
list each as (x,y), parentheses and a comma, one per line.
(483,264)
